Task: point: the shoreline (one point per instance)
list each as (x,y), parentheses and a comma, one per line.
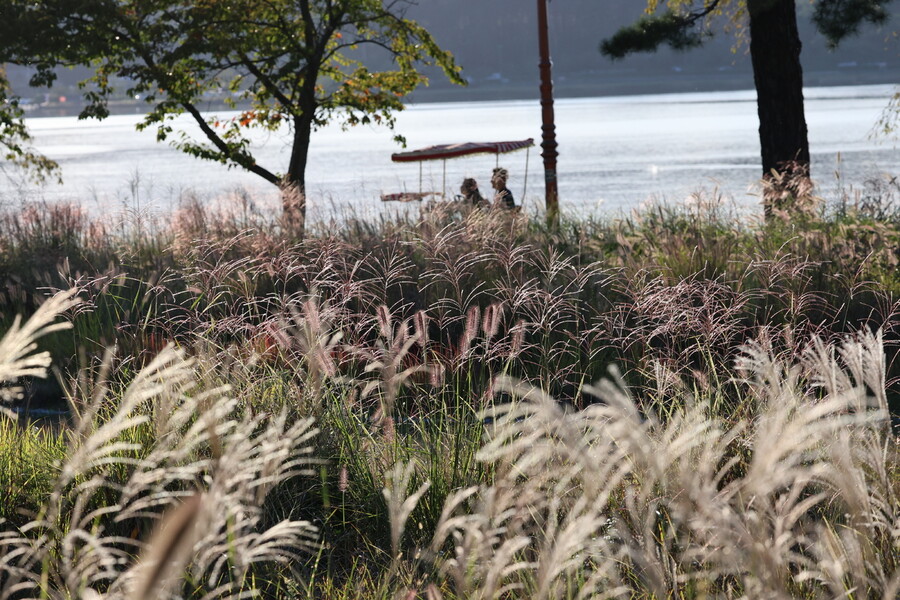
(639,85)
(593,85)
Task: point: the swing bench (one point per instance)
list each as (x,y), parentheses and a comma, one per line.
(444,152)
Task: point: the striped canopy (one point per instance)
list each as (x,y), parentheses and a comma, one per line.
(445,151)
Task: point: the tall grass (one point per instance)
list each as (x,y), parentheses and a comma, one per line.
(469,440)
(164,442)
(688,285)
(799,499)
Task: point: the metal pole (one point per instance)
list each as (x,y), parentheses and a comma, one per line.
(548,128)
(525,185)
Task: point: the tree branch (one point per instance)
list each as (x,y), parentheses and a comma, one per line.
(650,32)
(242,160)
(270,85)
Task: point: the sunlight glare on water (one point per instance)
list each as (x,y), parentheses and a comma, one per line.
(615,153)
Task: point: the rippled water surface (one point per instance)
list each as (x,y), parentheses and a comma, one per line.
(615,152)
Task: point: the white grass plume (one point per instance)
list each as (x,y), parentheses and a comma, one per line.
(17,347)
(200,453)
(400,501)
(801,497)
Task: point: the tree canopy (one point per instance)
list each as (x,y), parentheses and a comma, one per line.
(286,63)
(15,140)
(685,24)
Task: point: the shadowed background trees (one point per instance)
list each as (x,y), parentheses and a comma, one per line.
(501,36)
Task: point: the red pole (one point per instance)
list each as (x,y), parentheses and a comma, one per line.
(548,128)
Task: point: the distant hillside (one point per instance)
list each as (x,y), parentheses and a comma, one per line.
(495,41)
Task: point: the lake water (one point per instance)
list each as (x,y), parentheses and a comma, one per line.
(615,153)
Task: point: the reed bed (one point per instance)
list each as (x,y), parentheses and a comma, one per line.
(458,404)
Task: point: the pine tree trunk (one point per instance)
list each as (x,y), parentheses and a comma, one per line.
(775,53)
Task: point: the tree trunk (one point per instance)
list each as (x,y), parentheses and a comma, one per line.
(775,53)
(293,193)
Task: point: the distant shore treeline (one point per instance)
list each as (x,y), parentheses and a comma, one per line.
(620,84)
(496,45)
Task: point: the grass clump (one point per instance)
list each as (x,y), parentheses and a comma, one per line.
(424,407)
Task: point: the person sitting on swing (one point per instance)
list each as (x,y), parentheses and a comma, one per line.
(470,193)
(502,196)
